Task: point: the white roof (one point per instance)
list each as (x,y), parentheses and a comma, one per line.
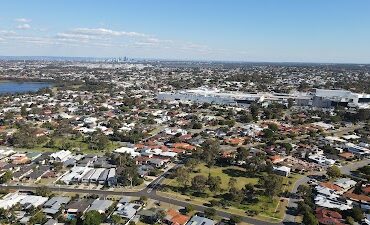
(322,201)
(323,125)
(97,173)
(351,136)
(345,183)
(12,199)
(169,154)
(62,155)
(128,150)
(335,138)
(100,205)
(283,168)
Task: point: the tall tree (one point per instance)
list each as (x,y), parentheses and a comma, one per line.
(211,149)
(242,154)
(232,183)
(182,176)
(272,184)
(333,172)
(198,183)
(92,218)
(214,183)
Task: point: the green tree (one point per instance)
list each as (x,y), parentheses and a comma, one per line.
(38,218)
(92,218)
(357,214)
(43,191)
(310,219)
(198,183)
(242,154)
(333,172)
(189,208)
(214,183)
(304,190)
(288,148)
(182,176)
(210,212)
(128,173)
(211,149)
(8,175)
(98,141)
(116,219)
(232,182)
(249,190)
(235,219)
(268,134)
(236,195)
(191,163)
(274,127)
(350,220)
(272,184)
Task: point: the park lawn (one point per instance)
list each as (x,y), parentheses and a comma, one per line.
(292,178)
(76,143)
(269,209)
(225,173)
(269,216)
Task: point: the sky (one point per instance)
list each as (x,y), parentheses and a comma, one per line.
(329,31)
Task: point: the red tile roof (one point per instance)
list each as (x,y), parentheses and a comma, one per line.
(331,186)
(328,217)
(176,218)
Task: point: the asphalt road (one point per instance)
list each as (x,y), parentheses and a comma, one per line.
(152,195)
(354,166)
(292,205)
(151,192)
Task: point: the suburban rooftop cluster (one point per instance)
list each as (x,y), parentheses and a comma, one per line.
(123,142)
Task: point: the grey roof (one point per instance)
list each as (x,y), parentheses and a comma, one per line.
(80,205)
(103,176)
(56,202)
(112,173)
(100,205)
(198,220)
(88,175)
(50,211)
(51,222)
(124,199)
(69,162)
(38,172)
(156,160)
(23,170)
(127,210)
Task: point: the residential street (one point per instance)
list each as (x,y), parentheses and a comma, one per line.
(292,205)
(150,192)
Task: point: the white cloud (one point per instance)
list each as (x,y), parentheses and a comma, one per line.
(24,26)
(106,32)
(23,20)
(7,32)
(102,39)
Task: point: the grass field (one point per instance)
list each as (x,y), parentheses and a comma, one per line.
(75,143)
(226,173)
(268,209)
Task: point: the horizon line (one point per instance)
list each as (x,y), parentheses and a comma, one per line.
(182,60)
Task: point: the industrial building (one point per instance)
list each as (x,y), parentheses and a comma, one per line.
(321,98)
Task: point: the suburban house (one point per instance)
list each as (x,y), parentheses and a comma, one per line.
(173,217)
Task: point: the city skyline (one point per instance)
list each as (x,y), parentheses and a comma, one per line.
(263,31)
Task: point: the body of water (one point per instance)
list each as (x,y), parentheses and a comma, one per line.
(12,87)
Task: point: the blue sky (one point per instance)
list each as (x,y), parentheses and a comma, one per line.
(242,30)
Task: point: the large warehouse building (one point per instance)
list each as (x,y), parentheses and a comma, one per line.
(318,98)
